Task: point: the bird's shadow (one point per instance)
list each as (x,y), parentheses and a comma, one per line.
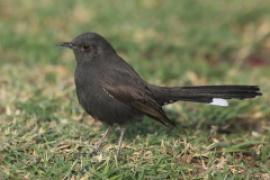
(149,126)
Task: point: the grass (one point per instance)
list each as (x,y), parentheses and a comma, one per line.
(44,133)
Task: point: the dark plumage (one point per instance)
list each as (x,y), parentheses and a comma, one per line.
(111,91)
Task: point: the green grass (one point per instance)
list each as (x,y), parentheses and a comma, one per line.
(44,133)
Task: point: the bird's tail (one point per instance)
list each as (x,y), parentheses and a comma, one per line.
(215,95)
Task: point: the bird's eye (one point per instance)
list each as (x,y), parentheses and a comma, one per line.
(85,47)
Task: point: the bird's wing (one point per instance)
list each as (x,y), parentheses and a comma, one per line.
(131,90)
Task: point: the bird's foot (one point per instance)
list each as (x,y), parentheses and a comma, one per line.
(97,146)
(122,133)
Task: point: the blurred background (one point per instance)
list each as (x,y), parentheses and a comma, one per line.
(170,42)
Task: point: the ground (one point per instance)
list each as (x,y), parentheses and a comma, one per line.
(44,133)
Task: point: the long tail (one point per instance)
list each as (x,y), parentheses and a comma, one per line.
(215,95)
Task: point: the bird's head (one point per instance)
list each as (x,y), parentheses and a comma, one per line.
(88,46)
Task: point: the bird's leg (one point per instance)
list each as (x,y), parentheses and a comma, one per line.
(103,138)
(122,132)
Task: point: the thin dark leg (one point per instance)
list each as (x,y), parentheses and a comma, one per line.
(102,139)
(122,132)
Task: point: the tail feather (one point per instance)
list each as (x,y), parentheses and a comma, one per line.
(223,88)
(203,94)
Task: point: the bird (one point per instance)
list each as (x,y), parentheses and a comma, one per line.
(112,92)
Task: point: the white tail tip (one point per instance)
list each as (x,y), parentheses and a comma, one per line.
(219,102)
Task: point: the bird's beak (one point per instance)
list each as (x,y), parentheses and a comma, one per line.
(66,44)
